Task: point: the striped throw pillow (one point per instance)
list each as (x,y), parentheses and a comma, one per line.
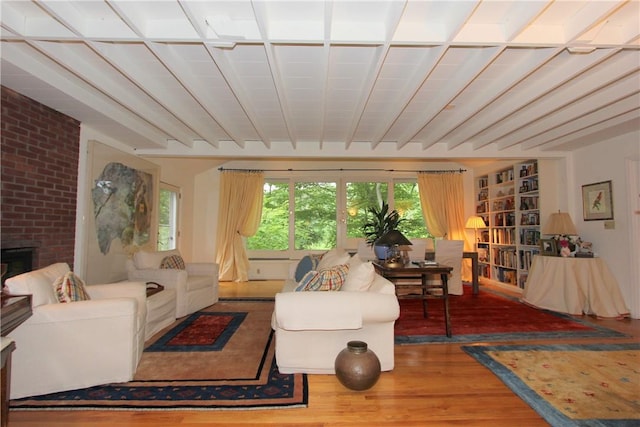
(328,279)
(69,288)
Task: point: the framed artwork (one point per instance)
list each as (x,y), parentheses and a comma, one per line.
(121,197)
(597,201)
(548,247)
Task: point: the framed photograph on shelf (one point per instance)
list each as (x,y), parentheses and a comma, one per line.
(597,201)
(548,247)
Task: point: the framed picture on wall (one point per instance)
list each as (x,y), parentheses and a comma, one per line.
(597,201)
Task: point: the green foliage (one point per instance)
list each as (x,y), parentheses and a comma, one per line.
(381,220)
(273,233)
(315,217)
(164,220)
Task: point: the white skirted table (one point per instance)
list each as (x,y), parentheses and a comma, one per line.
(574,286)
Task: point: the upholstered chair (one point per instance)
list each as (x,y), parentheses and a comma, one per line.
(77,344)
(196,284)
(449,252)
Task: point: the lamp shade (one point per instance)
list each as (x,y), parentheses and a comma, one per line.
(392,238)
(475,222)
(560,223)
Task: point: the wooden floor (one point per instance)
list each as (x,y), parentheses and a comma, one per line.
(431,385)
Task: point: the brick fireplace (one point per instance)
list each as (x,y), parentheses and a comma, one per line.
(40,153)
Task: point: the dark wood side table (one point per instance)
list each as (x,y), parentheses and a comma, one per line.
(423,271)
(15,310)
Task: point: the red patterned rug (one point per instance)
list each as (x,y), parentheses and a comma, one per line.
(488,316)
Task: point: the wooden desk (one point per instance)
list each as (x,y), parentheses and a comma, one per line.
(411,271)
(574,286)
(473,256)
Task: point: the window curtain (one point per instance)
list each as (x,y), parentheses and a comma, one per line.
(442,202)
(240,209)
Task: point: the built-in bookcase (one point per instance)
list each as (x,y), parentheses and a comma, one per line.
(509,202)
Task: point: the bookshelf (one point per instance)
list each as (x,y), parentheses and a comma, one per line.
(508,200)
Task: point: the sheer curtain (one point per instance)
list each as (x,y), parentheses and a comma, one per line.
(240,209)
(442,202)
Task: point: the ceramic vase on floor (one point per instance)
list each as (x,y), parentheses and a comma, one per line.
(357,367)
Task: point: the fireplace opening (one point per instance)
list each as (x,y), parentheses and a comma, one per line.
(16,261)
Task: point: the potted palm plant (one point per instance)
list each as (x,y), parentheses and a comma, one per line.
(380,221)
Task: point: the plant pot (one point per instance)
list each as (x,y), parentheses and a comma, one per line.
(380,251)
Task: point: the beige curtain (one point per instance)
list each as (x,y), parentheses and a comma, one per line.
(442,202)
(240,209)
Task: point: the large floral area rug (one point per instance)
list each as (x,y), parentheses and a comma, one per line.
(222,357)
(571,385)
(488,316)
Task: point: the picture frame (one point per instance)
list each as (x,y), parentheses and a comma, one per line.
(548,247)
(597,201)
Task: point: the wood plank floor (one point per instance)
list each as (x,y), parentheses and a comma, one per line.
(431,385)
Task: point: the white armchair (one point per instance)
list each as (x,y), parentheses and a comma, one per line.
(68,346)
(196,286)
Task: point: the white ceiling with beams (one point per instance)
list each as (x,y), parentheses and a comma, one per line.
(402,79)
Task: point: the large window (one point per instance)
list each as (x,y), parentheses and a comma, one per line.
(315,215)
(273,233)
(303,215)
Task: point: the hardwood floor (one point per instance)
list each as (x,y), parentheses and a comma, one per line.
(431,385)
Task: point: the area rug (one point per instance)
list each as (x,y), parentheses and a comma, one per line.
(222,357)
(488,316)
(571,385)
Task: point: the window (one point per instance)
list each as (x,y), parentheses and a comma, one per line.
(361,195)
(407,203)
(168,217)
(315,215)
(302,214)
(273,233)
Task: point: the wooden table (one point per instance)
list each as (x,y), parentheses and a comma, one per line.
(15,310)
(424,271)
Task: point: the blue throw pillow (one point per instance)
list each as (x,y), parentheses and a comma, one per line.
(306,264)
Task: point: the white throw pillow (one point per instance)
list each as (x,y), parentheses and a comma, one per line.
(332,258)
(360,276)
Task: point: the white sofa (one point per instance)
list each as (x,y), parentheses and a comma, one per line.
(196,286)
(312,327)
(74,345)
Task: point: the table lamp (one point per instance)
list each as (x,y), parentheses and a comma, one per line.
(393,239)
(475,222)
(560,223)
(561,226)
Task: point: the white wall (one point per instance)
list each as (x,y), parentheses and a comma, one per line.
(618,247)
(198,181)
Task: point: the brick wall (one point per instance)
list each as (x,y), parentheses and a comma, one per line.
(40,151)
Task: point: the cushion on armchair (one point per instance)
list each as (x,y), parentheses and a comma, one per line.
(306,264)
(173,261)
(69,288)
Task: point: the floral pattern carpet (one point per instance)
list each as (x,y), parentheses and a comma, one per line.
(571,385)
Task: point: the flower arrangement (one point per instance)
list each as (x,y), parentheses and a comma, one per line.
(569,245)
